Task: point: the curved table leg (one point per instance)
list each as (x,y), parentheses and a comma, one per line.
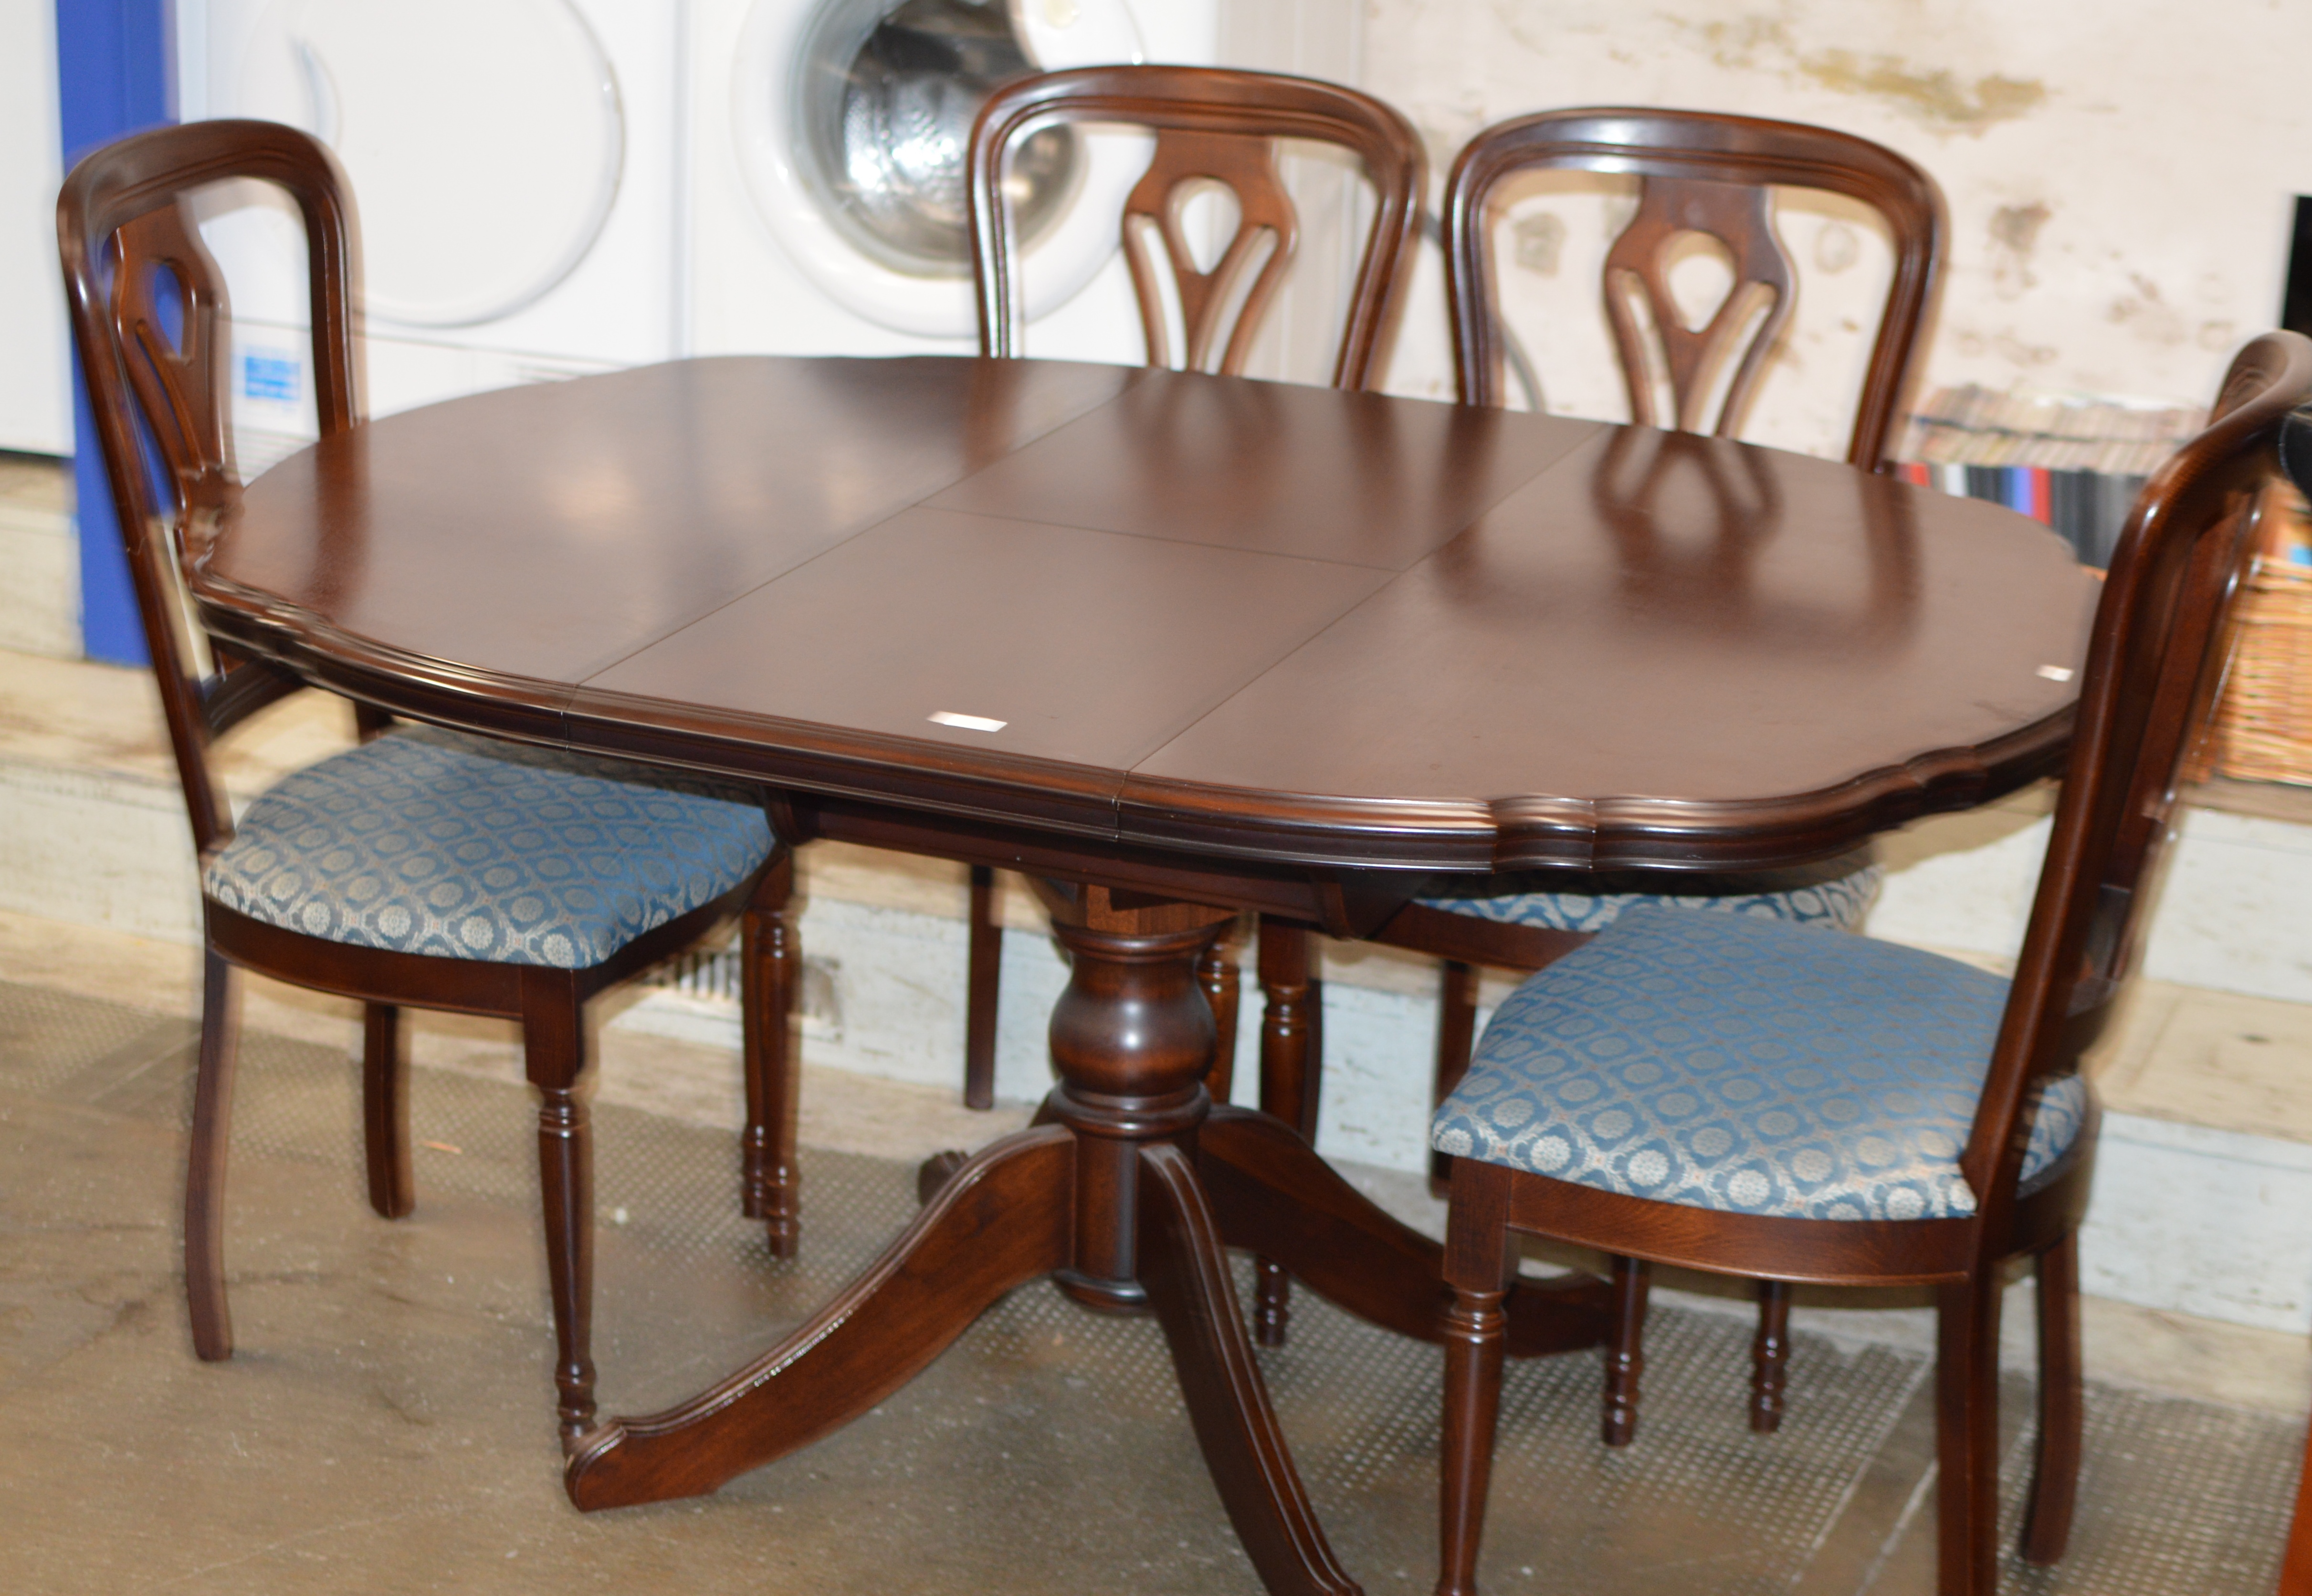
(1185,1270)
(1105,1196)
(1277,1197)
(1004,1218)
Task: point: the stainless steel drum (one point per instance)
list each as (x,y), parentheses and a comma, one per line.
(883,103)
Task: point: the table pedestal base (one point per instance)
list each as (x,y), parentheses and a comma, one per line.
(1130,1193)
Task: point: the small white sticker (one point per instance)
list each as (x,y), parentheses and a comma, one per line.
(2052,672)
(969,723)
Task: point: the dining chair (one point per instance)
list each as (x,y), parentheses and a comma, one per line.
(1716,176)
(1213,127)
(1763,1099)
(422,868)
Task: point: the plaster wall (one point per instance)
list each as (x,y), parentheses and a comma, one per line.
(2120,175)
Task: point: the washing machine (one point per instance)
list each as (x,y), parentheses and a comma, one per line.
(828,139)
(514,164)
(552,187)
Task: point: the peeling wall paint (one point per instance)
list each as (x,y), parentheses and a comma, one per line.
(2120,176)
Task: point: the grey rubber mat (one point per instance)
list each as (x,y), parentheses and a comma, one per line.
(1048,1449)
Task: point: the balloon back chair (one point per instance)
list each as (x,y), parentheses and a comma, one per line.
(1772,1101)
(1214,127)
(1697,174)
(422,868)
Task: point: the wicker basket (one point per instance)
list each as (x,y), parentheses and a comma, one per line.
(2263,727)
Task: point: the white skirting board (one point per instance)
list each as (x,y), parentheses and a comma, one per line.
(2230,915)
(2201,1220)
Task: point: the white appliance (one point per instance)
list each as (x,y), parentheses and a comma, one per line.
(514,166)
(552,187)
(828,140)
(35,372)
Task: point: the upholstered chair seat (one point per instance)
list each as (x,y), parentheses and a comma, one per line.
(1737,1063)
(430,841)
(423,869)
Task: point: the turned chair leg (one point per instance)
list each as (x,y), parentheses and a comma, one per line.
(554,1053)
(1217,974)
(1480,1263)
(205,1169)
(2055,1470)
(1967,1438)
(1290,1061)
(770,983)
(1626,1357)
(1457,1032)
(385,1110)
(982,987)
(1770,1356)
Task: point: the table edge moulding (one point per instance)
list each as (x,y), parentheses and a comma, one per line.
(1133,1183)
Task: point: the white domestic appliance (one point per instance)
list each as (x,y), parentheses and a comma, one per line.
(35,376)
(515,163)
(827,142)
(552,187)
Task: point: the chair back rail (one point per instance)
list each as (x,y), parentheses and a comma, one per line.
(2155,667)
(1212,126)
(1699,173)
(147,302)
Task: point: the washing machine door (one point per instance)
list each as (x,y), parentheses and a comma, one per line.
(484,139)
(854,122)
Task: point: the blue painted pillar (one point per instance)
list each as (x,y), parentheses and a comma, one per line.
(113,76)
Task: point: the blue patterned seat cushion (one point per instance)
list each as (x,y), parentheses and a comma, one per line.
(1744,1065)
(426,841)
(1837,895)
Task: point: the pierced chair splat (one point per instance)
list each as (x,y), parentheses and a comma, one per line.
(1223,128)
(1211,128)
(1769,1100)
(422,868)
(1714,176)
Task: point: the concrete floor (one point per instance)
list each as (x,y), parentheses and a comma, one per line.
(386,1424)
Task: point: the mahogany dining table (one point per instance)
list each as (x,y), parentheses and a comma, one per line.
(1176,647)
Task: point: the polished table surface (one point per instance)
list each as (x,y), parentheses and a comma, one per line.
(1234,619)
(1215,644)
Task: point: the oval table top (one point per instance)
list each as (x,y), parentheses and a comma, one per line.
(1246,621)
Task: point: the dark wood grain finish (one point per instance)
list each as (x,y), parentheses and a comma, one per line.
(1003,1218)
(1306,734)
(770,989)
(2055,1459)
(1139,672)
(1214,125)
(1271,468)
(730,472)
(2162,639)
(1293,1000)
(1104,1195)
(1188,1281)
(1699,175)
(1707,174)
(385,1112)
(1689,630)
(1770,1356)
(983,978)
(148,310)
(1626,1357)
(1211,128)
(857,637)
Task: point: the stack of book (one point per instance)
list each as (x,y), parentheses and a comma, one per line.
(2073,464)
